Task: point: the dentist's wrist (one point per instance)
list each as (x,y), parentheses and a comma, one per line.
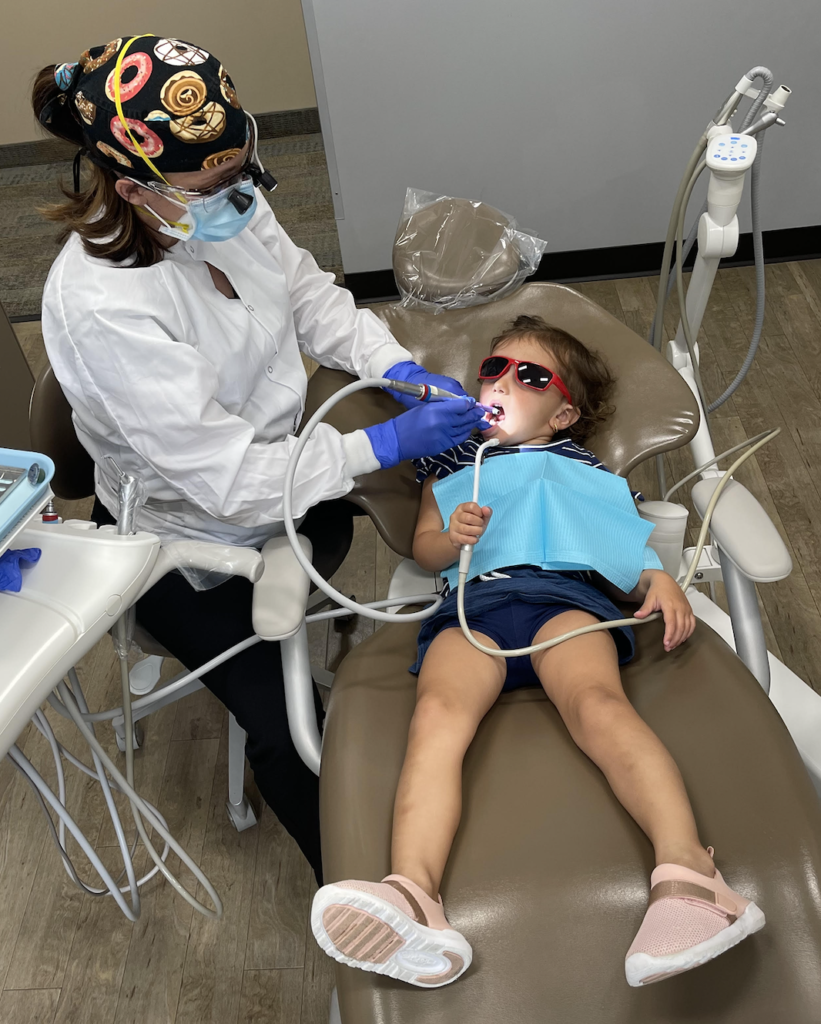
(360,458)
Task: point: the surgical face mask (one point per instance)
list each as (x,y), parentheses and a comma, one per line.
(212,219)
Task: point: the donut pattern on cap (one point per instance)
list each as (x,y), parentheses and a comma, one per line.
(130,84)
(179,54)
(85,108)
(149,141)
(91,64)
(184,93)
(114,154)
(176,98)
(227,88)
(215,159)
(203,126)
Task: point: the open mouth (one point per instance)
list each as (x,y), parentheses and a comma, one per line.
(496,414)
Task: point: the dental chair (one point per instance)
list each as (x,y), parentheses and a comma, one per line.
(548,878)
(52,432)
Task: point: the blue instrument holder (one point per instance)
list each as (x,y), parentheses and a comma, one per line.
(23,499)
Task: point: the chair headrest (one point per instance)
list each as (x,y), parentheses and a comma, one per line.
(455,253)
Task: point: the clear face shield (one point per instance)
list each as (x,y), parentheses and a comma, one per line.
(220,212)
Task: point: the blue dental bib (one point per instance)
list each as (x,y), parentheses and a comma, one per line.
(554,512)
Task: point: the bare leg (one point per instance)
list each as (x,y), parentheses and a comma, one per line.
(457,687)
(581,677)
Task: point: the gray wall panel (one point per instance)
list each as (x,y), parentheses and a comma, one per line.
(577,119)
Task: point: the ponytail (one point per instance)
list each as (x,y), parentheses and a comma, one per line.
(107,224)
(53,108)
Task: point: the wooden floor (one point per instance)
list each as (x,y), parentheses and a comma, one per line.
(70,958)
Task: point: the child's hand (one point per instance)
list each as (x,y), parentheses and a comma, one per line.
(666,596)
(468,523)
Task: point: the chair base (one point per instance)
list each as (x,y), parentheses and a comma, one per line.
(138,737)
(145,675)
(242,814)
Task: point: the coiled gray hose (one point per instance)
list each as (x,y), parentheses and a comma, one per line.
(656,328)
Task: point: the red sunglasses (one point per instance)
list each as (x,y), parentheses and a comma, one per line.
(530,375)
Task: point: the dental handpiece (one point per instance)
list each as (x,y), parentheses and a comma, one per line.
(424,392)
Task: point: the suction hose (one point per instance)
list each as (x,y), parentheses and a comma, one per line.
(371,611)
(467,551)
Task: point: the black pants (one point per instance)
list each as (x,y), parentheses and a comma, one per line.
(195,626)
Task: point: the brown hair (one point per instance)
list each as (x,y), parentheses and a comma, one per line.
(585,373)
(96,211)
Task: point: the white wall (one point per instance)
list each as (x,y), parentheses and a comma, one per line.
(577,118)
(260,42)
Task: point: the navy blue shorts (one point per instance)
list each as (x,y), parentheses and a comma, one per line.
(512,611)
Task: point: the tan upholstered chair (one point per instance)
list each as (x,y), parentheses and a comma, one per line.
(549,875)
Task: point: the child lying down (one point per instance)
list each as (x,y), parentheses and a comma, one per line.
(545,393)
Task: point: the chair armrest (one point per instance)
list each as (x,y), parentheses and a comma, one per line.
(197,554)
(281,593)
(744,531)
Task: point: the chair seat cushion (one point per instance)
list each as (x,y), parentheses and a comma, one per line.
(548,878)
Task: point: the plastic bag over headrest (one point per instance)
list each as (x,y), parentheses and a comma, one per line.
(451,253)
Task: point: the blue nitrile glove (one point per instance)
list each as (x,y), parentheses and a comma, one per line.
(11,578)
(425,430)
(413,373)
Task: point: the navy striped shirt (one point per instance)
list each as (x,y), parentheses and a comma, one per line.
(461,455)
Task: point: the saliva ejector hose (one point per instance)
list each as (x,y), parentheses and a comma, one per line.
(466,554)
(373,609)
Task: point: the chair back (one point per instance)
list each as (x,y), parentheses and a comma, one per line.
(53,434)
(18,381)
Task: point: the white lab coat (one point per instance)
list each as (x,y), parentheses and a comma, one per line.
(199,396)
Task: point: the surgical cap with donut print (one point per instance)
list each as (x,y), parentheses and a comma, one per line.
(151,106)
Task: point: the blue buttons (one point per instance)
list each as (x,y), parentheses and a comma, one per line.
(734,138)
(742,158)
(743,145)
(722,143)
(724,158)
(734,158)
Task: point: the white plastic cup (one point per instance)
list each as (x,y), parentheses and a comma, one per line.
(667,539)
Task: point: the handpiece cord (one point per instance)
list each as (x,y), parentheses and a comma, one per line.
(464,563)
(290,528)
(718,458)
(682,295)
(670,240)
(467,550)
(141,809)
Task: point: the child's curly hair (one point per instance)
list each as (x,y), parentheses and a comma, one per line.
(585,373)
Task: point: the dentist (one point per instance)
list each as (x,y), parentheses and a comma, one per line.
(175,318)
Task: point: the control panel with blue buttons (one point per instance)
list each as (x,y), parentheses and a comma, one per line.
(732,153)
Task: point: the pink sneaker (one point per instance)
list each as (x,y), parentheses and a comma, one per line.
(691,919)
(391,927)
